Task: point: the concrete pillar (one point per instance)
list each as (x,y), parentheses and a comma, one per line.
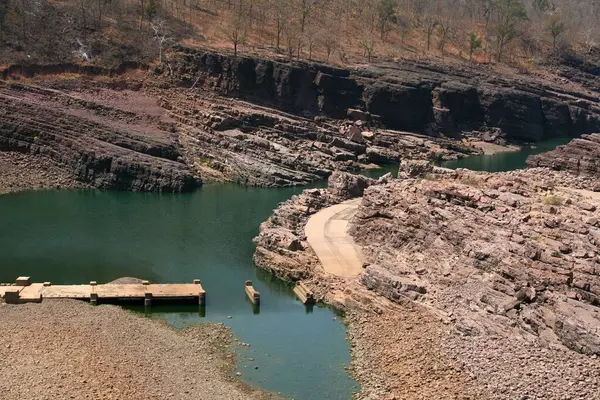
(252,293)
(147,299)
(201,294)
(23,281)
(94,298)
(11,296)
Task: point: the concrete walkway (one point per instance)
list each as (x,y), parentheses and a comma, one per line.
(327,234)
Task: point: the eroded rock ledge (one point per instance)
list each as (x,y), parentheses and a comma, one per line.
(580,156)
(491,250)
(509,262)
(100,146)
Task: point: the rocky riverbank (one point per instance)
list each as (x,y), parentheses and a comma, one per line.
(105,352)
(502,266)
(20,171)
(97,144)
(580,156)
(263,122)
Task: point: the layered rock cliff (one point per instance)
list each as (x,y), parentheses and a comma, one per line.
(102,146)
(412,96)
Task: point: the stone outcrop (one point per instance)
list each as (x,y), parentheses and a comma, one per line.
(103,147)
(493,273)
(343,186)
(412,96)
(229,139)
(580,156)
(162,139)
(494,251)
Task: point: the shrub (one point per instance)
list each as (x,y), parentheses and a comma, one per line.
(552,200)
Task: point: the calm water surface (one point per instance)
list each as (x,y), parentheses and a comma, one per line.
(506,161)
(72,237)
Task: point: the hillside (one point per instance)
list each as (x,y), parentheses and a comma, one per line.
(526,34)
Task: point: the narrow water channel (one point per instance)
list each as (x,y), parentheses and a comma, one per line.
(505,161)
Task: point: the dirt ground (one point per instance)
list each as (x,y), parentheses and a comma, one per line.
(72,350)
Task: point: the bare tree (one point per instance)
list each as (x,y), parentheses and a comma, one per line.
(429,19)
(281,14)
(509,13)
(430,22)
(310,38)
(161,36)
(236,29)
(306,6)
(444,27)
(367,40)
(293,38)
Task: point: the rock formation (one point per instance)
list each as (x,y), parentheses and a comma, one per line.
(492,250)
(580,156)
(411,96)
(272,123)
(229,139)
(506,263)
(102,146)
(162,139)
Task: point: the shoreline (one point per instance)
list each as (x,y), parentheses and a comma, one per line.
(366,314)
(20,172)
(110,352)
(408,349)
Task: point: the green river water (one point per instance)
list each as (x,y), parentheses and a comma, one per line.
(70,237)
(505,161)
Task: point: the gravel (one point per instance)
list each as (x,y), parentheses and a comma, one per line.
(19,171)
(71,350)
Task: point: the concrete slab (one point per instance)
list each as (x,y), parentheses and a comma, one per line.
(38,291)
(327,234)
(32,293)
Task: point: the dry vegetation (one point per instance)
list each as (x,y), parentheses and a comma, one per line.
(107,32)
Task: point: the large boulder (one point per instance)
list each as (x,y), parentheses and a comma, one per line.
(344,186)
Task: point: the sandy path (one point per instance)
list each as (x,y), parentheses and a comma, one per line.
(327,234)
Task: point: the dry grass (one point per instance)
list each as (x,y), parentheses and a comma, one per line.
(552,200)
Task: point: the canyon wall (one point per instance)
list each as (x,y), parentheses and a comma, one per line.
(411,96)
(103,147)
